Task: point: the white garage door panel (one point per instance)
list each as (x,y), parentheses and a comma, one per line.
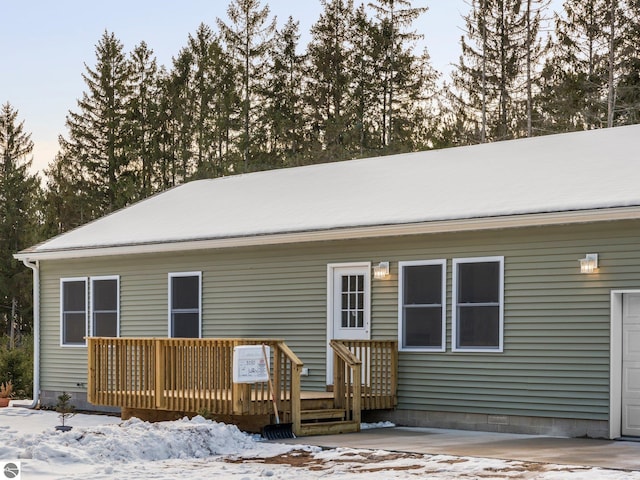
(632,340)
(632,412)
(632,379)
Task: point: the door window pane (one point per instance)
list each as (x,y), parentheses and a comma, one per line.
(352,315)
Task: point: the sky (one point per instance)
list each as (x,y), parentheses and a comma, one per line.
(46,45)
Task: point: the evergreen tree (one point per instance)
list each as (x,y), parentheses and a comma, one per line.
(627,103)
(19,226)
(142,113)
(284,108)
(329,81)
(66,197)
(248,38)
(177,123)
(576,76)
(365,111)
(97,133)
(488,79)
(213,103)
(396,61)
(535,15)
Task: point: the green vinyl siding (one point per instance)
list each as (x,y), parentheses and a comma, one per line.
(556,321)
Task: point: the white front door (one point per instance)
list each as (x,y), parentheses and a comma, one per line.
(631,364)
(348,310)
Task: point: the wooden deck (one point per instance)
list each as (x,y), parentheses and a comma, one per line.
(195,375)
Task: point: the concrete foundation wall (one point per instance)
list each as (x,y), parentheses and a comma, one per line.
(493,423)
(49,398)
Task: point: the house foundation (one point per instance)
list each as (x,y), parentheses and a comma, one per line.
(560,427)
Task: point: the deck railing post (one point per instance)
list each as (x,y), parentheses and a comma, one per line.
(159,373)
(357,394)
(277,373)
(91,381)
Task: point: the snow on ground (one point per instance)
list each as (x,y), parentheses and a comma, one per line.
(104,447)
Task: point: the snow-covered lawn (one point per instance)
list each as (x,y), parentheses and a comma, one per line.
(101,447)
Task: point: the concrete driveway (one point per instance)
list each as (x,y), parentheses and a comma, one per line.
(527,448)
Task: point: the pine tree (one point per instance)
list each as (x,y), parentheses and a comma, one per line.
(488,79)
(142,113)
(329,81)
(19,226)
(177,122)
(97,136)
(284,108)
(576,76)
(66,198)
(535,15)
(396,61)
(627,102)
(248,38)
(365,111)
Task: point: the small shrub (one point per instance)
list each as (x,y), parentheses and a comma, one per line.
(204,413)
(64,408)
(16,365)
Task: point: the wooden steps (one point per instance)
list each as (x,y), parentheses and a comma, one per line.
(320,417)
(328,428)
(323,414)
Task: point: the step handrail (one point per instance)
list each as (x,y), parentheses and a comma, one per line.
(347,381)
(296,373)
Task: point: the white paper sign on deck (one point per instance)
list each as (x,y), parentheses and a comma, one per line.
(249,365)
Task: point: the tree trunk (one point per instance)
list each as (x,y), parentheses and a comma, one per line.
(611,95)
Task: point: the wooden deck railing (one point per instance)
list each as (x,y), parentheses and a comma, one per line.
(192,375)
(189,375)
(379,362)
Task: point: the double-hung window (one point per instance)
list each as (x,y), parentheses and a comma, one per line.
(185,304)
(478,304)
(105,306)
(422,305)
(73,312)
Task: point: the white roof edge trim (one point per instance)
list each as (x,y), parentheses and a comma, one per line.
(461,225)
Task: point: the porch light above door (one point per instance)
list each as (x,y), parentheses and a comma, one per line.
(381,270)
(589,263)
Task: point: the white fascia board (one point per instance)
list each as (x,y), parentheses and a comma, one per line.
(444,226)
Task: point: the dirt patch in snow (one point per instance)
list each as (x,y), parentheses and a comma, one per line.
(308,460)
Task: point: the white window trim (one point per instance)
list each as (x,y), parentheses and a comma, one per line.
(454,306)
(91,312)
(443,301)
(86,312)
(169,299)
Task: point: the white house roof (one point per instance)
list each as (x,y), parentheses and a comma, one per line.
(584,171)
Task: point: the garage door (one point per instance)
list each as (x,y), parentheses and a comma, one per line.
(631,365)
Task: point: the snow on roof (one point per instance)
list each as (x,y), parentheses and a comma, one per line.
(556,173)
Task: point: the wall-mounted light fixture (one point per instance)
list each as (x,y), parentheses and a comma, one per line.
(589,263)
(381,270)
